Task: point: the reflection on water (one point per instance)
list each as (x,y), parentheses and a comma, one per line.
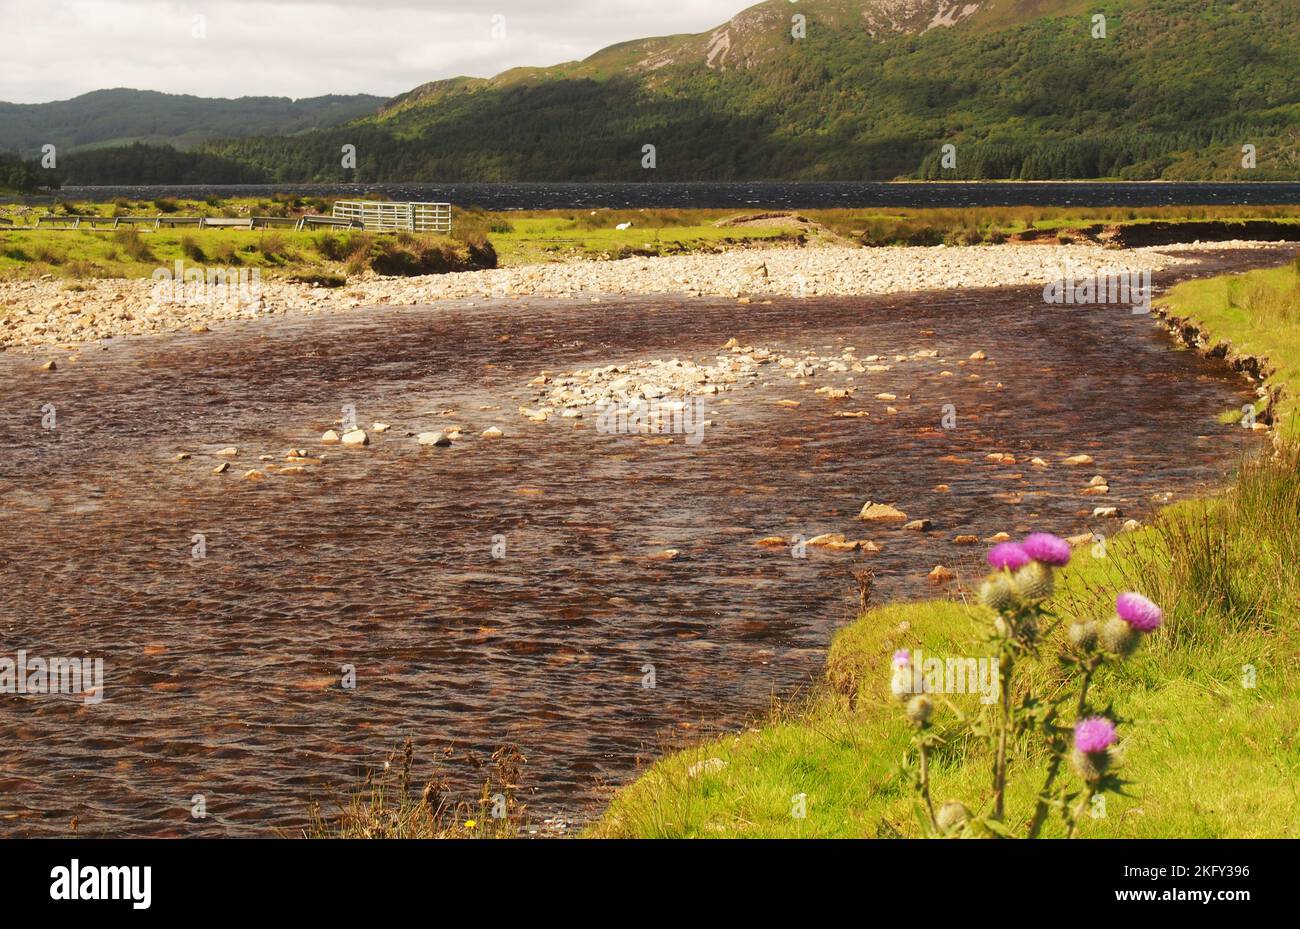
(223,673)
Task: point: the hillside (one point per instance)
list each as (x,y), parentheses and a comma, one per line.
(872,92)
(122,116)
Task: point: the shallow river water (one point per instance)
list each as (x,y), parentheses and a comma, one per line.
(223,673)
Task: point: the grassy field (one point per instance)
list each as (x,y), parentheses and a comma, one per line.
(533,238)
(1213,746)
(516,238)
(991,225)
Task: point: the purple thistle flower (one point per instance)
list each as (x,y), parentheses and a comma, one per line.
(1095,735)
(1138,612)
(1009,555)
(1048,549)
(902,658)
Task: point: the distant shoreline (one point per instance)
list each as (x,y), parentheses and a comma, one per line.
(797,195)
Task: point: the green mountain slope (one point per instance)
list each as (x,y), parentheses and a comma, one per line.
(121,117)
(1020,87)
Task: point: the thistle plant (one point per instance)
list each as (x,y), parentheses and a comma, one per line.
(1073,733)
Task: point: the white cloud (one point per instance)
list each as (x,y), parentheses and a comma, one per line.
(56,49)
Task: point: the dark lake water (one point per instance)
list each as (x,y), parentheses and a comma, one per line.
(770,195)
(223,674)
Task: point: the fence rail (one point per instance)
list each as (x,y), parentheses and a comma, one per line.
(396,217)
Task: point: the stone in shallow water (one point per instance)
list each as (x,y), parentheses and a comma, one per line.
(356,438)
(436,439)
(880,512)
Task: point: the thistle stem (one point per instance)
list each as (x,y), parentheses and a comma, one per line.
(925,784)
(1058,754)
(1000,768)
(1078,811)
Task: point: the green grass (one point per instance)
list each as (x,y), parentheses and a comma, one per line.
(540,236)
(1208,756)
(533,239)
(78,254)
(516,238)
(1259,313)
(391,804)
(976,225)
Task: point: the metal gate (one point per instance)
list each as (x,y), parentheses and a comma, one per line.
(381,216)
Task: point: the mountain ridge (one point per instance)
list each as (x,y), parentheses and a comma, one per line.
(123,115)
(857,90)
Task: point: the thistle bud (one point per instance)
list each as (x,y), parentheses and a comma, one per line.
(1083,636)
(919,709)
(1035,582)
(997,593)
(1090,767)
(1119,638)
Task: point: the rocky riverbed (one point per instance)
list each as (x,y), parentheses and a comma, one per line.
(53,311)
(495,579)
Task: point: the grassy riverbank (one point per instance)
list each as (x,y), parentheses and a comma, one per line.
(518,238)
(1258,314)
(1214,695)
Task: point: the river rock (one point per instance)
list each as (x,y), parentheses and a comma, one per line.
(437,439)
(230,452)
(941,574)
(356,438)
(880,512)
(492,432)
(330,438)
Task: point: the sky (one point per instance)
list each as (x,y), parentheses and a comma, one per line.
(230,48)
